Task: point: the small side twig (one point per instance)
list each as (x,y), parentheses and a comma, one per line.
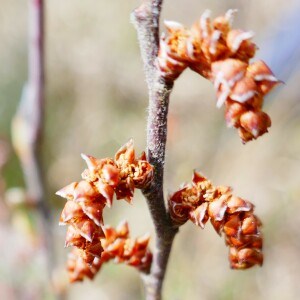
(146,21)
(27,126)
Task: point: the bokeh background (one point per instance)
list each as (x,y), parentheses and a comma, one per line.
(96,99)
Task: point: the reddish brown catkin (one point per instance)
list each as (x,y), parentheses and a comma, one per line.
(117,246)
(221,54)
(232,216)
(103,180)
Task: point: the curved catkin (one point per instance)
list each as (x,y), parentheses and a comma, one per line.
(117,246)
(221,54)
(230,215)
(104,180)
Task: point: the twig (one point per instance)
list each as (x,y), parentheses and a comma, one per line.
(27,126)
(146,21)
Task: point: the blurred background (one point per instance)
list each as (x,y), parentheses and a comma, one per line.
(96,99)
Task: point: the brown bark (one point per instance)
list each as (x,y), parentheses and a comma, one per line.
(146,21)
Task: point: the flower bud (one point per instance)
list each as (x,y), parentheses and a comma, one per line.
(233,112)
(255,122)
(264,77)
(239,43)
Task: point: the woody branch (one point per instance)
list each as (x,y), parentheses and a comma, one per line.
(27,125)
(146,21)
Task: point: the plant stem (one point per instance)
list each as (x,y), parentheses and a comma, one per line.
(146,21)
(27,127)
(145,18)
